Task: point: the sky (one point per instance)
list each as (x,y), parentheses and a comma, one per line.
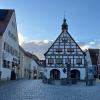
(41,20)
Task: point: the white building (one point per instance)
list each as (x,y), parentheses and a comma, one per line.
(22,61)
(9,47)
(29,65)
(35,66)
(65,58)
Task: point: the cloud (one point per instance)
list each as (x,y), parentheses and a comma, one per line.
(40,42)
(22,39)
(39,47)
(91,44)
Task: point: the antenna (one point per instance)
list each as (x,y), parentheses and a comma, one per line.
(64,14)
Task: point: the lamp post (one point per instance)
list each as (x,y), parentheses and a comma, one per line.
(68,73)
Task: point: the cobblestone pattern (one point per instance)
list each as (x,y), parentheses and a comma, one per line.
(36,90)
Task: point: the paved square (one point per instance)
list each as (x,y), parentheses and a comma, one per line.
(36,90)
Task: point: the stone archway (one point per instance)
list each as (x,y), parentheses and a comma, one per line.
(75,74)
(55,74)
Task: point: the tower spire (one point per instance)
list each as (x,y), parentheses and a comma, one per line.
(64,25)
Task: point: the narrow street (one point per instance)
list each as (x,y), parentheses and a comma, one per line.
(36,90)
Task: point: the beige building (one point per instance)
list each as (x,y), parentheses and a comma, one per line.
(30,67)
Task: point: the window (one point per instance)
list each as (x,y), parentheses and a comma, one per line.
(4,63)
(79,61)
(13,64)
(11,50)
(13,24)
(69,39)
(64,40)
(8,64)
(59,61)
(4,46)
(70,49)
(50,61)
(8,48)
(11,35)
(68,60)
(58,49)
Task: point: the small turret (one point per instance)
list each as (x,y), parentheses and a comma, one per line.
(64,25)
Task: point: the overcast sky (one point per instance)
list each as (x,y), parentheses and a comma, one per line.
(41,20)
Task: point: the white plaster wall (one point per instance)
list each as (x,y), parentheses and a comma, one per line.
(33,64)
(64,75)
(47,72)
(82,72)
(1,51)
(21,66)
(13,30)
(27,65)
(27,62)
(88,58)
(5,71)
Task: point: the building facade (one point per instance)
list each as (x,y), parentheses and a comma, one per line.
(92,62)
(9,46)
(65,56)
(98,65)
(21,65)
(30,66)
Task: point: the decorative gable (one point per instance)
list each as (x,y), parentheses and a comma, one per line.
(64,48)
(64,44)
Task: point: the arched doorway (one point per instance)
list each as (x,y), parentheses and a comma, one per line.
(55,74)
(13,75)
(75,74)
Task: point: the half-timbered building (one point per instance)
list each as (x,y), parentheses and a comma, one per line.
(65,54)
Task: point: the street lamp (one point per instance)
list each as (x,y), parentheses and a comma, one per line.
(68,65)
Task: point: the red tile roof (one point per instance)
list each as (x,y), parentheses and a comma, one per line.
(5,16)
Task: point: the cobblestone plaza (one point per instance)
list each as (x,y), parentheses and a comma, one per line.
(36,90)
